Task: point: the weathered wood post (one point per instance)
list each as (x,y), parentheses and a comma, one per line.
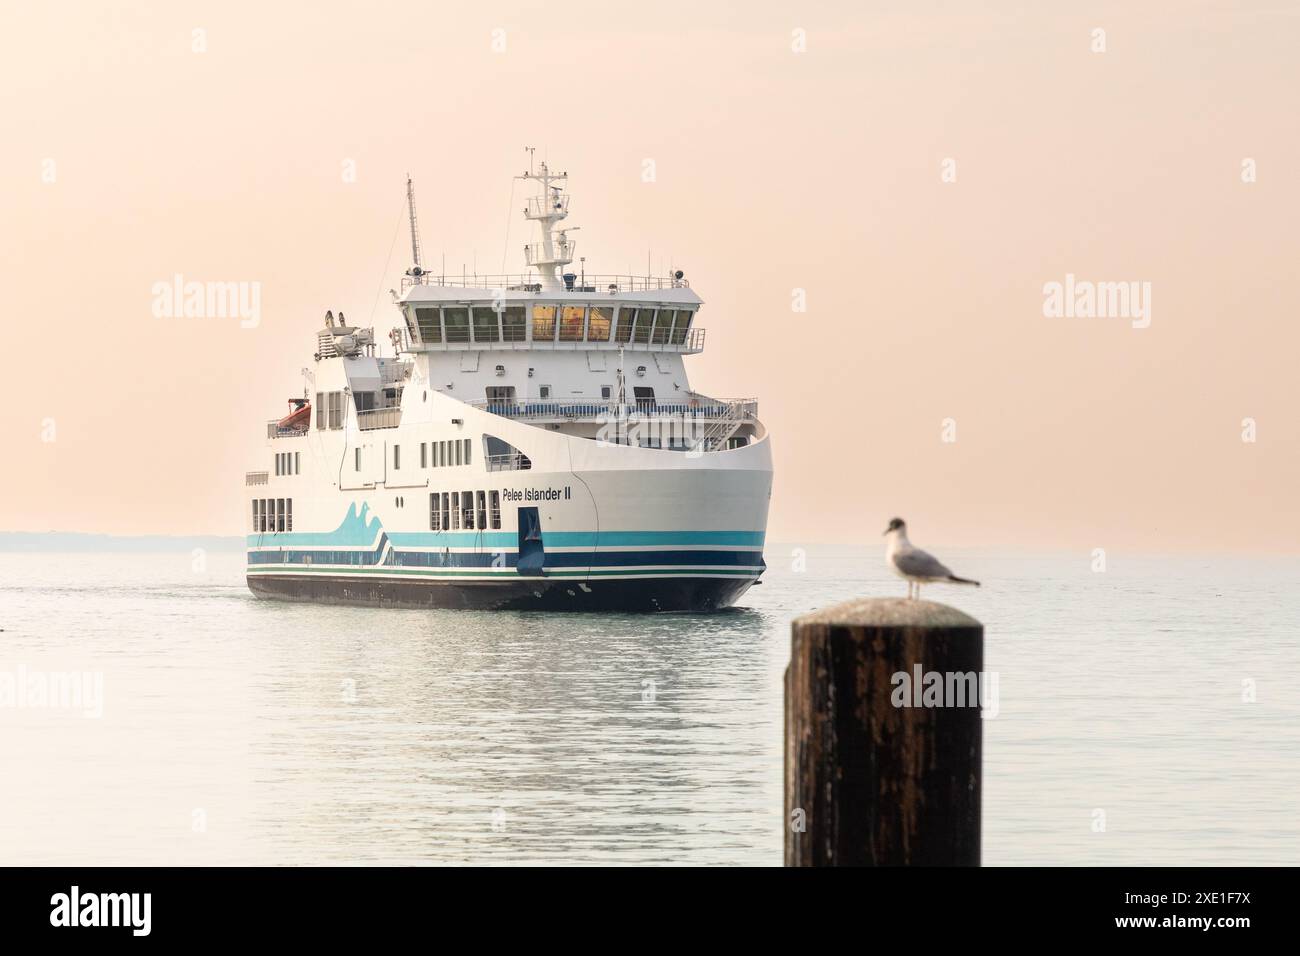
(873,775)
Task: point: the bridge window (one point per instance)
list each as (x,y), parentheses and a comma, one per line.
(543,323)
(467,510)
(626,318)
(644,319)
(320,411)
(397,458)
(598,325)
(424,455)
(572,320)
(682,326)
(480,498)
(512,324)
(455,323)
(485,324)
(429,324)
(357,459)
(494,507)
(663,325)
(435,513)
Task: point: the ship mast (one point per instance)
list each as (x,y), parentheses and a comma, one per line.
(547,208)
(415,271)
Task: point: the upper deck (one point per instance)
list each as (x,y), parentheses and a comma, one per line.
(551,307)
(637,313)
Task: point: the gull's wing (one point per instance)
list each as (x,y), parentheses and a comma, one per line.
(920,564)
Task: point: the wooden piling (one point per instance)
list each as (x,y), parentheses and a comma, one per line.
(867,782)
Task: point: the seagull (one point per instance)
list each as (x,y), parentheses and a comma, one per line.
(916,566)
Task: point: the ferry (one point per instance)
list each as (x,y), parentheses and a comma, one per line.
(532,442)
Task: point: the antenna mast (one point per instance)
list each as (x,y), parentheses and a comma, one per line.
(547,209)
(415,229)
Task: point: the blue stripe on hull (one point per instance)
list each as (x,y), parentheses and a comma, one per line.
(355,537)
(509,559)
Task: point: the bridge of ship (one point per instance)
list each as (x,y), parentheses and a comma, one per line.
(634,313)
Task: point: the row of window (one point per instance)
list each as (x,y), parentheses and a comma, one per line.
(464,510)
(441,454)
(433,454)
(329,410)
(288,463)
(550,323)
(272,514)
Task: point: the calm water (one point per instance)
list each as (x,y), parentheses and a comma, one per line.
(235,730)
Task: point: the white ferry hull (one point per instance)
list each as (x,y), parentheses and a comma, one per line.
(633,539)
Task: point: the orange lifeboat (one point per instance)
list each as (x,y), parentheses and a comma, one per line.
(299,417)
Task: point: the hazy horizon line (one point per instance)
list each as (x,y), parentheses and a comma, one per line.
(16,542)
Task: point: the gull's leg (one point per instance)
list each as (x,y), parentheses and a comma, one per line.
(918,590)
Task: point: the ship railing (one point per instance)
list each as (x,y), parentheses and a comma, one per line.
(562,251)
(692,408)
(531,282)
(514,461)
(256,477)
(275,430)
(721,429)
(372,418)
(514,338)
(542,206)
(483,334)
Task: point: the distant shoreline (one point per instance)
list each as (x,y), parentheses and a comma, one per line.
(72,541)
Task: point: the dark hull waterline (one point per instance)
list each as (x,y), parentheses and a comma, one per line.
(646,595)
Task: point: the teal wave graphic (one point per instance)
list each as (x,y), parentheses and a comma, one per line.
(358,530)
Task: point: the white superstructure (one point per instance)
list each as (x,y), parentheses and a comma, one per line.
(534,441)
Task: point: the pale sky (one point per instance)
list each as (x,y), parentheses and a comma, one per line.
(129,157)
